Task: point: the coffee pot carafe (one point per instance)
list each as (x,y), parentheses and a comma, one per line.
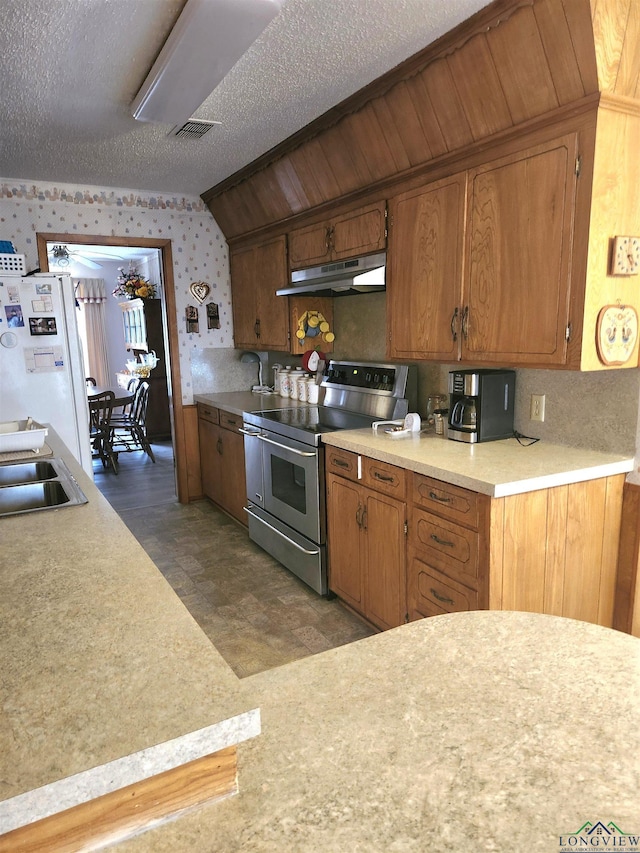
(481,406)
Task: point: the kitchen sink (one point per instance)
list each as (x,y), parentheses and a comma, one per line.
(33,486)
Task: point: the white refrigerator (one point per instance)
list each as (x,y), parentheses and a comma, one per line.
(41,366)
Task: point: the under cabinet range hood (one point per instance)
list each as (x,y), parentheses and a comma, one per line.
(342,278)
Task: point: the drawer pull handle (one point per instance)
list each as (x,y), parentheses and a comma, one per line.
(436,497)
(442,541)
(384,477)
(340,463)
(441,598)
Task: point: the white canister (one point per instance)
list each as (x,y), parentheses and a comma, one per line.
(296,376)
(284,382)
(303,389)
(313,391)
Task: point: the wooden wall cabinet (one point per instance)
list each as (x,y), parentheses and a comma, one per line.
(222,460)
(479,263)
(366,532)
(260,318)
(359,232)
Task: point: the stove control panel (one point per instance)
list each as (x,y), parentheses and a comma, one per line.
(373,377)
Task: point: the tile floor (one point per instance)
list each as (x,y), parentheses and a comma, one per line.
(256,613)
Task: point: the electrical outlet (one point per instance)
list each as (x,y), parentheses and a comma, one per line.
(536,412)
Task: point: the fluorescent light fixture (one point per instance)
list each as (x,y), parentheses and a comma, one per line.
(208,39)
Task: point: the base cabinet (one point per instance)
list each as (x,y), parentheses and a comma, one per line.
(222,460)
(404,546)
(549,551)
(366,530)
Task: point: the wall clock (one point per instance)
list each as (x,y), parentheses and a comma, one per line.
(625,259)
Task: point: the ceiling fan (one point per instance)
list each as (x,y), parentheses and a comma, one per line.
(61,255)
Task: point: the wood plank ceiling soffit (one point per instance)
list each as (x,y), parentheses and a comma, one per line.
(511,63)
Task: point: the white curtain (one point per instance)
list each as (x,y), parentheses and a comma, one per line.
(92,296)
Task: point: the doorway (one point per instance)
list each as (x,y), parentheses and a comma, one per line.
(97,256)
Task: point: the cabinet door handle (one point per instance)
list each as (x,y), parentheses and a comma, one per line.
(256,328)
(219,446)
(364,518)
(442,541)
(436,497)
(454,323)
(359,515)
(441,598)
(384,477)
(340,463)
(465,322)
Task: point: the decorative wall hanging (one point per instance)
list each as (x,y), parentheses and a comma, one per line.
(311,324)
(191,313)
(213,316)
(616,333)
(199,290)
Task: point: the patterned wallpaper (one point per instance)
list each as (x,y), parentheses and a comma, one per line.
(200,251)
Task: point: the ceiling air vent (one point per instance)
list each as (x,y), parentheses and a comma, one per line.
(194,128)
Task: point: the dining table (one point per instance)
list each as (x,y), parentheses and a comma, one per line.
(121,396)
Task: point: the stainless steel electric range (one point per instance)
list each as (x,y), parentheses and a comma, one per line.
(285,460)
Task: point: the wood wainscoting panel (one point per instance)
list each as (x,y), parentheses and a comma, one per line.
(627,606)
(610,549)
(131,810)
(524,552)
(193,478)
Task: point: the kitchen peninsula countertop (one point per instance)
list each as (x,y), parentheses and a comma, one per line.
(495,468)
(483,730)
(100,660)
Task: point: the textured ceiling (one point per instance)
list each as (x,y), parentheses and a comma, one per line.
(70,69)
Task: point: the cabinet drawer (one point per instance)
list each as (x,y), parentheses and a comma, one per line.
(229,421)
(343,462)
(208,413)
(430,593)
(449,547)
(449,501)
(383,477)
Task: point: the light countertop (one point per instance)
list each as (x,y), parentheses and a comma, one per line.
(237,402)
(100,660)
(496,468)
(484,730)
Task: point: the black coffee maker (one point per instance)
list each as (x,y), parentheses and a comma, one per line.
(481,405)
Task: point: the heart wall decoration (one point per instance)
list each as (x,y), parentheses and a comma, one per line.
(199,290)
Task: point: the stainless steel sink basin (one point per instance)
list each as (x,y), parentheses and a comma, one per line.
(33,486)
(27,472)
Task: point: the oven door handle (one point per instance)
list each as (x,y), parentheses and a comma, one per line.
(279,532)
(310,454)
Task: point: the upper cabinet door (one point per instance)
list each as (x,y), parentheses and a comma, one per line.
(310,245)
(260,318)
(518,264)
(243,297)
(424,270)
(273,311)
(359,232)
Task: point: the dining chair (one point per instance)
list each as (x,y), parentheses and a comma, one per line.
(129,431)
(100,409)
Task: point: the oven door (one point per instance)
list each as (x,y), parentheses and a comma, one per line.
(293,487)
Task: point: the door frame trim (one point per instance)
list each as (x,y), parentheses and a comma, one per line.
(166,257)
